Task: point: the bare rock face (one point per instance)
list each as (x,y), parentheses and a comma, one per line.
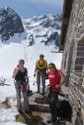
(10,23)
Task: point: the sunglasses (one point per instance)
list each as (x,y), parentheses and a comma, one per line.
(50,66)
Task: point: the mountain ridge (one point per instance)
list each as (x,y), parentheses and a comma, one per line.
(44,29)
(10,23)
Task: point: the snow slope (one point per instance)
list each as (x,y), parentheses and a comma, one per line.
(9,56)
(11,53)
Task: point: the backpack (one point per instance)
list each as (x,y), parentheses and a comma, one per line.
(64,109)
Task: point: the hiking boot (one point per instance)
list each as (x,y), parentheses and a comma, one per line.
(38,91)
(52,119)
(54,123)
(28,112)
(20,112)
(49,121)
(43,94)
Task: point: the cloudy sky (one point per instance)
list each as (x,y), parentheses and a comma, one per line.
(30,8)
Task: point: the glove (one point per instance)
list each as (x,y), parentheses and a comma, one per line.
(34,75)
(24,89)
(45,76)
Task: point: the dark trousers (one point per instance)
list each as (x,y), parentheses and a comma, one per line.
(53,97)
(39,78)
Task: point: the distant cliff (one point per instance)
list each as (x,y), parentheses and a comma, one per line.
(10,23)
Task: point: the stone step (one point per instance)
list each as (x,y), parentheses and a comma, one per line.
(37,103)
(39,107)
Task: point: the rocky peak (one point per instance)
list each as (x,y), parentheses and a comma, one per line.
(44,29)
(10,23)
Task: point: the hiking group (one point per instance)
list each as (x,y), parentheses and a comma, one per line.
(42,70)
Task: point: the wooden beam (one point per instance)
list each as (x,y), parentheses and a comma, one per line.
(81,39)
(66,21)
(61,47)
(56,51)
(67,6)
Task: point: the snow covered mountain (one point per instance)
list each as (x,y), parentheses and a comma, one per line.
(10,23)
(44,29)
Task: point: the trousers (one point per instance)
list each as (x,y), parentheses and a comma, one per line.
(53,97)
(39,78)
(18,86)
